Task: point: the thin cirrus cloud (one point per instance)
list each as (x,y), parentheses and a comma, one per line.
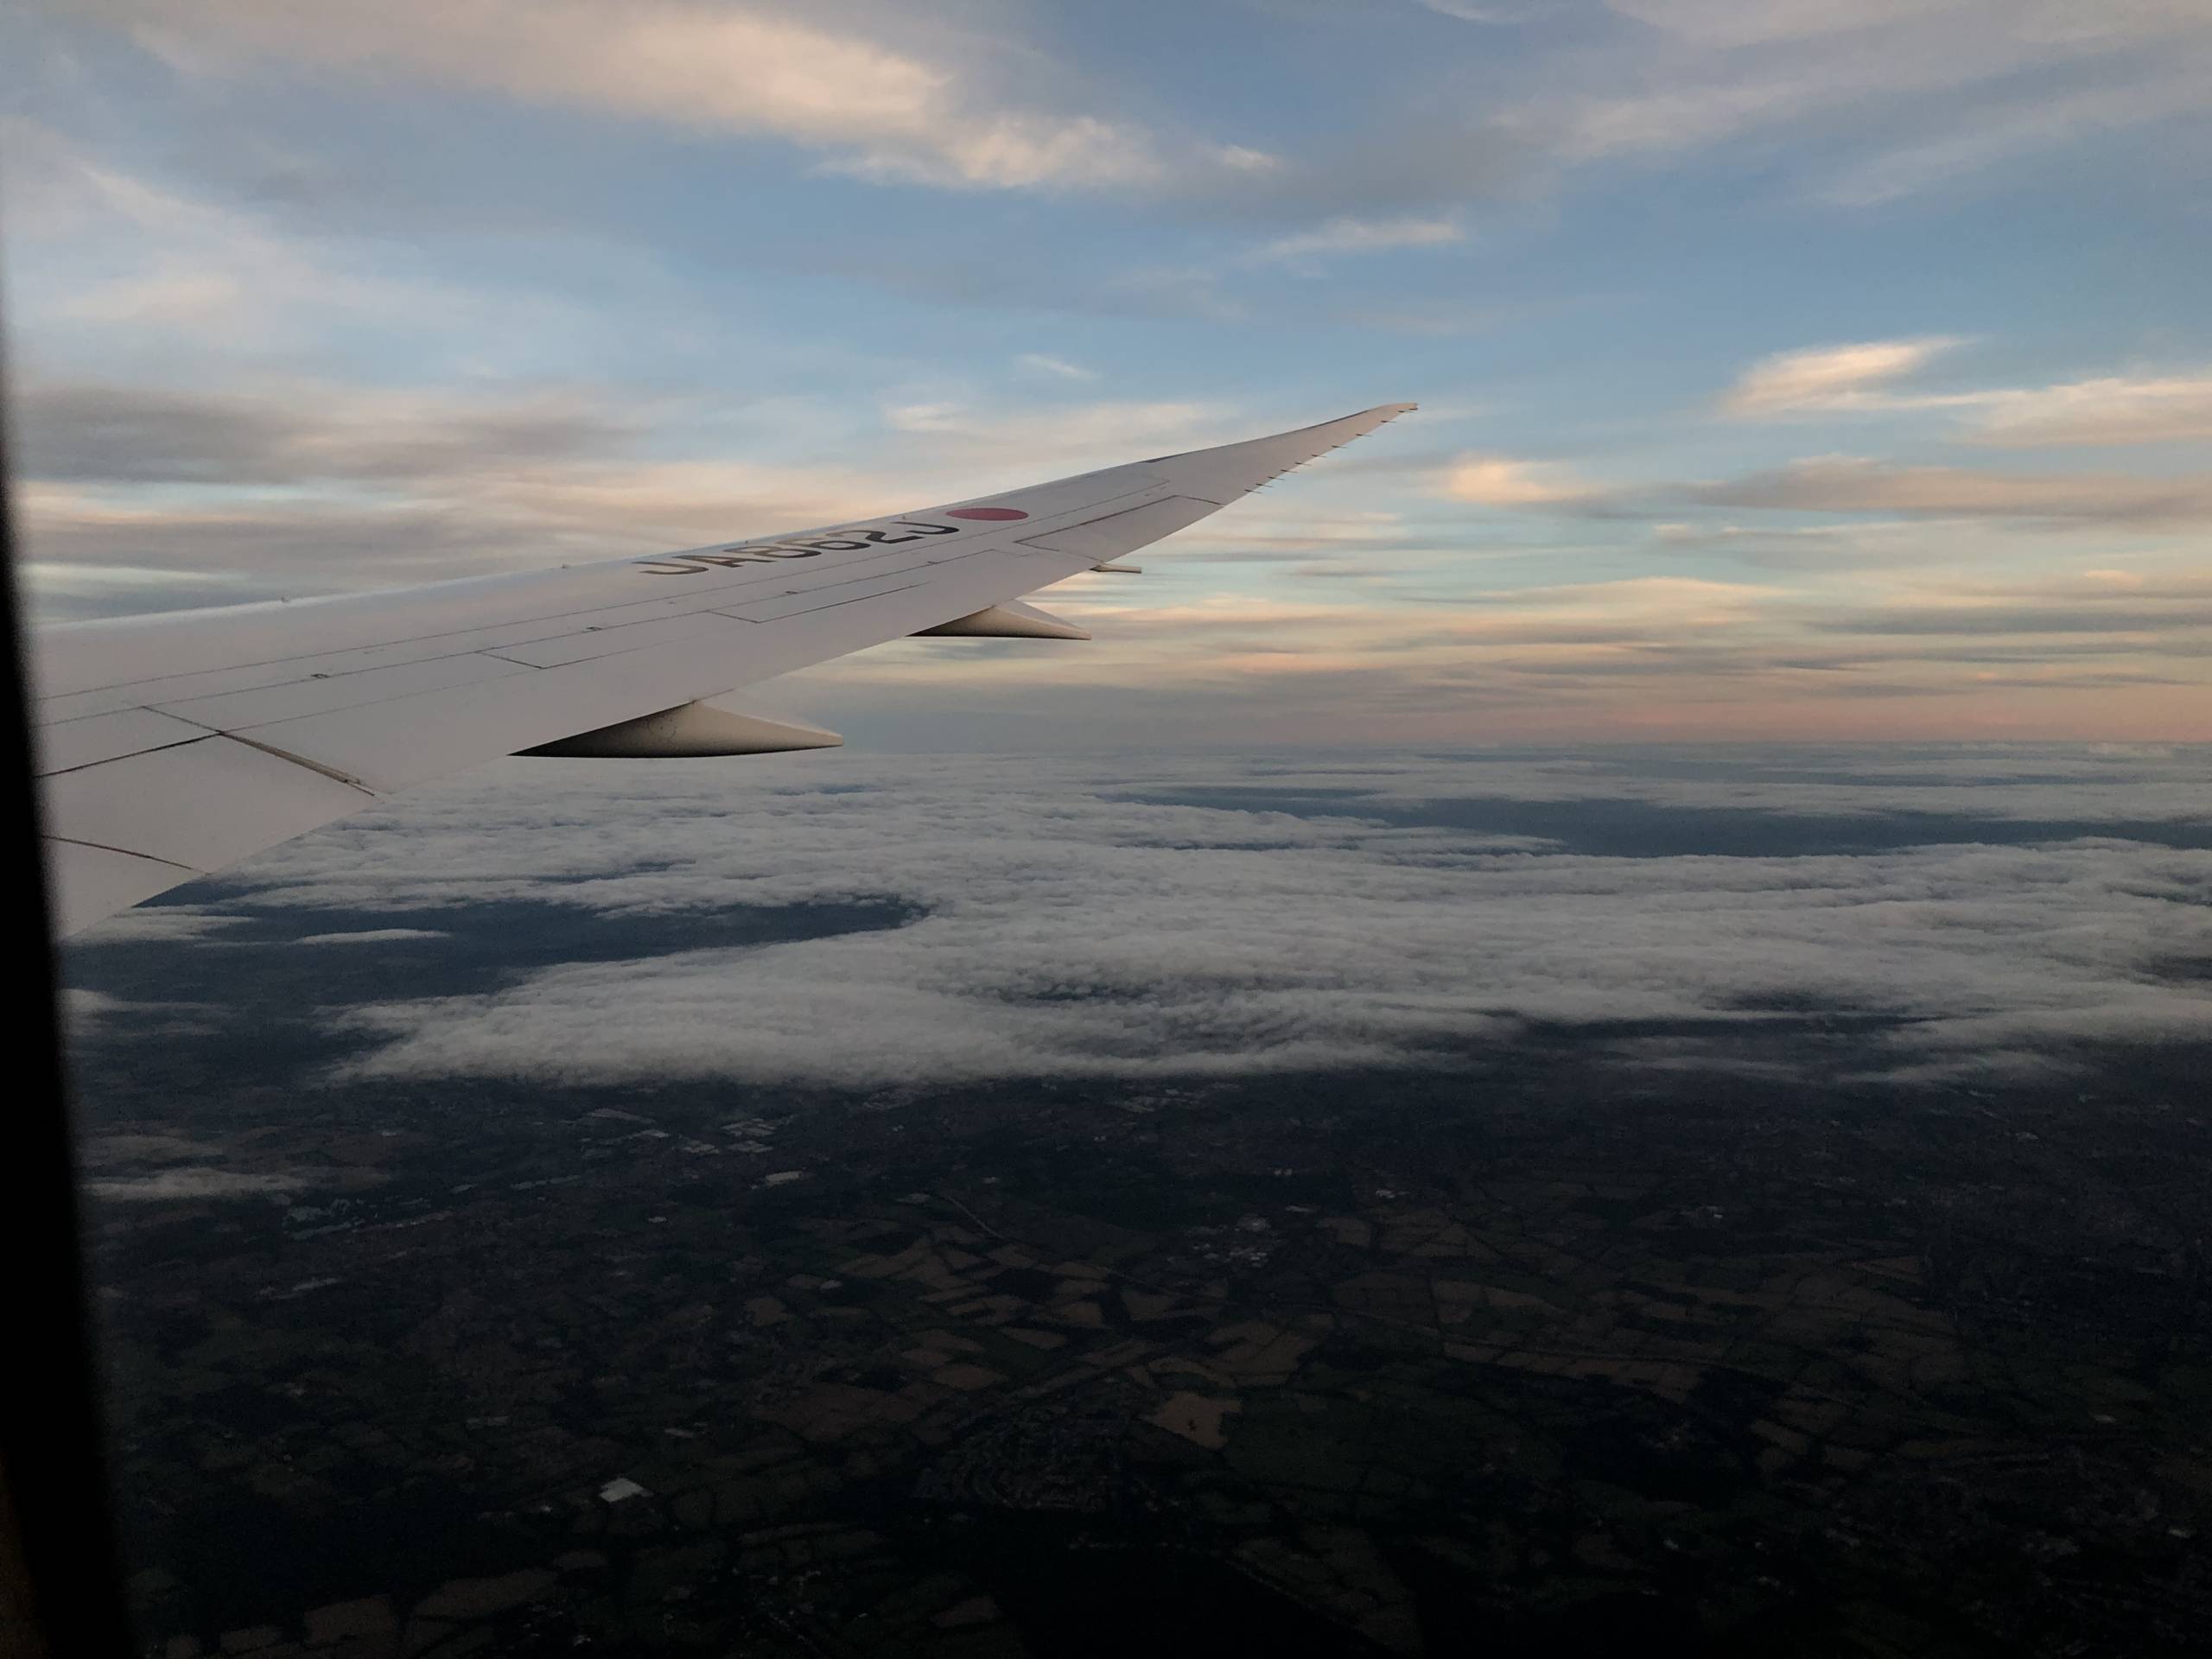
(869,105)
(1491,480)
(1961,86)
(1055,367)
(1844,484)
(300,485)
(1856,484)
(1346,236)
(973,102)
(1076,919)
(1827,378)
(1868,377)
(1064,433)
(151,273)
(1666,657)
(303,432)
(2110,411)
(2103,601)
(1847,484)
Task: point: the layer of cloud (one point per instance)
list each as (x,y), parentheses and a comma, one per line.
(844,86)
(188,1185)
(2145,502)
(1857,484)
(2104,411)
(104,253)
(1054,367)
(1490,481)
(1885,100)
(162,1167)
(1655,657)
(137,497)
(1076,921)
(1827,378)
(85,432)
(2096,602)
(1356,236)
(1916,97)
(2112,410)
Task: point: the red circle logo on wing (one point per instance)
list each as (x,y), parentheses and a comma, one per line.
(996,514)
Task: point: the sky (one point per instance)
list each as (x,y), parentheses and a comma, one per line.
(1806,370)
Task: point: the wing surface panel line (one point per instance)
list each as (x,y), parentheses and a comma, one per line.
(121,852)
(151,748)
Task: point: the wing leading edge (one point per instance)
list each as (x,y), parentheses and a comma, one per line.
(174,746)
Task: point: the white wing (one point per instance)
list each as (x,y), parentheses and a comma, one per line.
(172,747)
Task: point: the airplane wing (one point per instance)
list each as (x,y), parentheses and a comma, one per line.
(171,746)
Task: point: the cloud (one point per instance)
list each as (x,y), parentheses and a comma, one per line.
(1504,481)
(1727,24)
(137,497)
(184,1185)
(1883,100)
(2020,125)
(113,263)
(1853,484)
(1356,236)
(97,587)
(90,1015)
(1827,378)
(2175,409)
(375,936)
(166,923)
(1070,434)
(1055,368)
(1439,654)
(1077,920)
(2096,602)
(1468,12)
(839,85)
(1938,91)
(380,523)
(2025,620)
(303,432)
(134,1168)
(2110,411)
(1813,548)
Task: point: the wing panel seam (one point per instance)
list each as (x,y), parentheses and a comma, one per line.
(200,736)
(125,852)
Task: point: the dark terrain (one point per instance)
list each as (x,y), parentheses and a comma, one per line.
(1547,1347)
